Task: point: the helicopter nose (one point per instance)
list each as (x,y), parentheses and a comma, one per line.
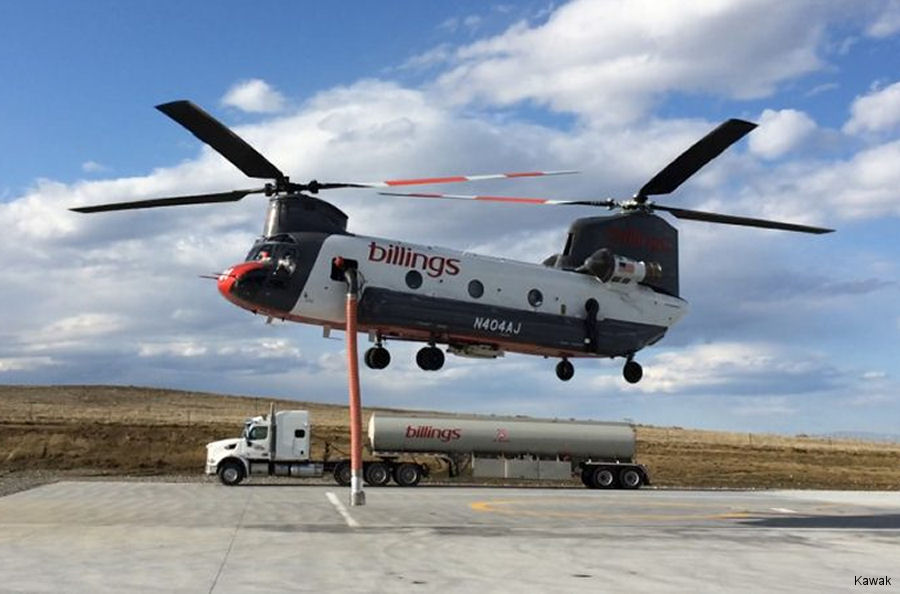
(240,282)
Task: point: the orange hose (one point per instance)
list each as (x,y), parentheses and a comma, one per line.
(353,374)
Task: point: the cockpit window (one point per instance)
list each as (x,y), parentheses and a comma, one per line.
(260,252)
(272,250)
(285,265)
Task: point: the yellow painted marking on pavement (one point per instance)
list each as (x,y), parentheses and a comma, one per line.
(511,507)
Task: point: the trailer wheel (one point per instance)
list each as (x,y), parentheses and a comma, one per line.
(603,478)
(407,474)
(342,473)
(231,473)
(630,478)
(377,474)
(587,478)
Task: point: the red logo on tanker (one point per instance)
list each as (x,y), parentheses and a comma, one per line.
(398,255)
(429,432)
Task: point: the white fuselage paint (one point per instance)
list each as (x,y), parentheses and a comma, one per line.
(506,284)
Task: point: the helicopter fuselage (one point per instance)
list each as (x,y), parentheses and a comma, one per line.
(477,305)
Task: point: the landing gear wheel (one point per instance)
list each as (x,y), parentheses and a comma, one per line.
(342,474)
(377,357)
(377,474)
(630,478)
(603,478)
(430,358)
(565,370)
(633,372)
(407,474)
(231,473)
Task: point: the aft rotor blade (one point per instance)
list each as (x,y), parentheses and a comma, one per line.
(508,199)
(174,201)
(712,217)
(393,183)
(222,139)
(692,160)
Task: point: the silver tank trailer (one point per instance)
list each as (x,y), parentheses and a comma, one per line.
(501,435)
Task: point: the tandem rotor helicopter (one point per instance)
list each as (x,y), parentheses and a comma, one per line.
(610,292)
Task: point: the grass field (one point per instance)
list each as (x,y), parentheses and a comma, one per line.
(132,430)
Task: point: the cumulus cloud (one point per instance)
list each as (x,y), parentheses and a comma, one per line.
(612,60)
(254,95)
(879,111)
(729,368)
(866,185)
(780,131)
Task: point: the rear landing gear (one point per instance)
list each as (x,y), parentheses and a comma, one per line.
(430,358)
(377,357)
(632,371)
(565,370)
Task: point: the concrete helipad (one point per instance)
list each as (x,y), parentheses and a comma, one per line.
(202,537)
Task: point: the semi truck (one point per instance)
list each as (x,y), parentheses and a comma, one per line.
(601,454)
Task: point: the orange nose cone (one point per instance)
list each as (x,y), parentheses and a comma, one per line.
(225,282)
(229,281)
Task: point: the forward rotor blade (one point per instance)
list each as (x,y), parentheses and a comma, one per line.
(174,201)
(712,217)
(692,160)
(222,139)
(508,199)
(391,183)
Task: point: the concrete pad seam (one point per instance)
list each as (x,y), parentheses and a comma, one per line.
(237,528)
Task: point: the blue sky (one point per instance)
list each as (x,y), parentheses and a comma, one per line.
(787,333)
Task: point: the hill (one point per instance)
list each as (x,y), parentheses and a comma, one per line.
(132,430)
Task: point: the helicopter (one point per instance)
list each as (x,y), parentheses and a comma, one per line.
(612,290)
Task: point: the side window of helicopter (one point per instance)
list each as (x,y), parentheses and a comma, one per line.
(413,279)
(476,289)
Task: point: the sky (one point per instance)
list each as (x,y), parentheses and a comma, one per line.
(787,333)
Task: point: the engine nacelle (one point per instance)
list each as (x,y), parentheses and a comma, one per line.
(613,268)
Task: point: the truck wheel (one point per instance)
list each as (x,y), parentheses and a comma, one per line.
(342,473)
(603,478)
(377,474)
(231,473)
(407,474)
(630,478)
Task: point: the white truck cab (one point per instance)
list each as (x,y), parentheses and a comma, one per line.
(284,444)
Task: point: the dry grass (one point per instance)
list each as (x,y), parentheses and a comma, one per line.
(141,430)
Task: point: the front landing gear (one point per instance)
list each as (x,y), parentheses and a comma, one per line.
(632,371)
(565,370)
(430,358)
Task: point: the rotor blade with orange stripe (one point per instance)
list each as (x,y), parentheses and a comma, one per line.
(508,199)
(392,183)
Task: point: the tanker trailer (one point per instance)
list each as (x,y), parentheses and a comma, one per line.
(602,454)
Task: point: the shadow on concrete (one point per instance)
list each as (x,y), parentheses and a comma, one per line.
(850,522)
